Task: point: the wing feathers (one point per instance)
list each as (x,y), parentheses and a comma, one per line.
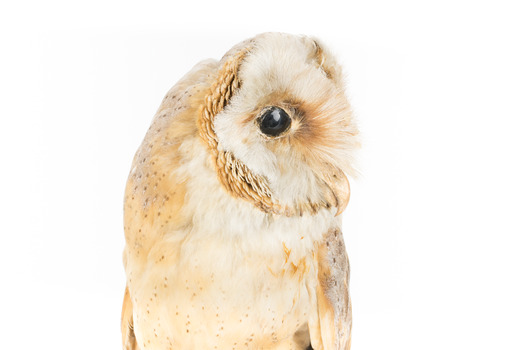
(334,311)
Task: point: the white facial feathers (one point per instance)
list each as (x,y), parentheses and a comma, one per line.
(296,74)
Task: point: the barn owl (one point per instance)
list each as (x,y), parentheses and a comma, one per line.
(232,206)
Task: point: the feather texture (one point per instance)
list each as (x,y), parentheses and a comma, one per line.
(232,237)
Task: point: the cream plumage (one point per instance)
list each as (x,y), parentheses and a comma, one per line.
(233,239)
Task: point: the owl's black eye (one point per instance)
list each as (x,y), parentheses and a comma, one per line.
(274,121)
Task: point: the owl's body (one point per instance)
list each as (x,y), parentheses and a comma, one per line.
(233,241)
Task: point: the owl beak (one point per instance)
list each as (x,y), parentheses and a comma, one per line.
(340,187)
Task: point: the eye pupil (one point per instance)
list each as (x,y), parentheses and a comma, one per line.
(274,121)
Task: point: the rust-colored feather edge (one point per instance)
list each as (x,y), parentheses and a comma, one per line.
(234,175)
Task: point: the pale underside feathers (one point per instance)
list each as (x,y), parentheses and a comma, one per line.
(231,214)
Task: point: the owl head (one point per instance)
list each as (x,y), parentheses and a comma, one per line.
(279,126)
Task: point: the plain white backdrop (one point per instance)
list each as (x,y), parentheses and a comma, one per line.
(435,228)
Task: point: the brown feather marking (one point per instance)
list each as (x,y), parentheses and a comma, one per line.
(234,175)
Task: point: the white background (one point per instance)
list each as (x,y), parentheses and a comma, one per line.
(435,227)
